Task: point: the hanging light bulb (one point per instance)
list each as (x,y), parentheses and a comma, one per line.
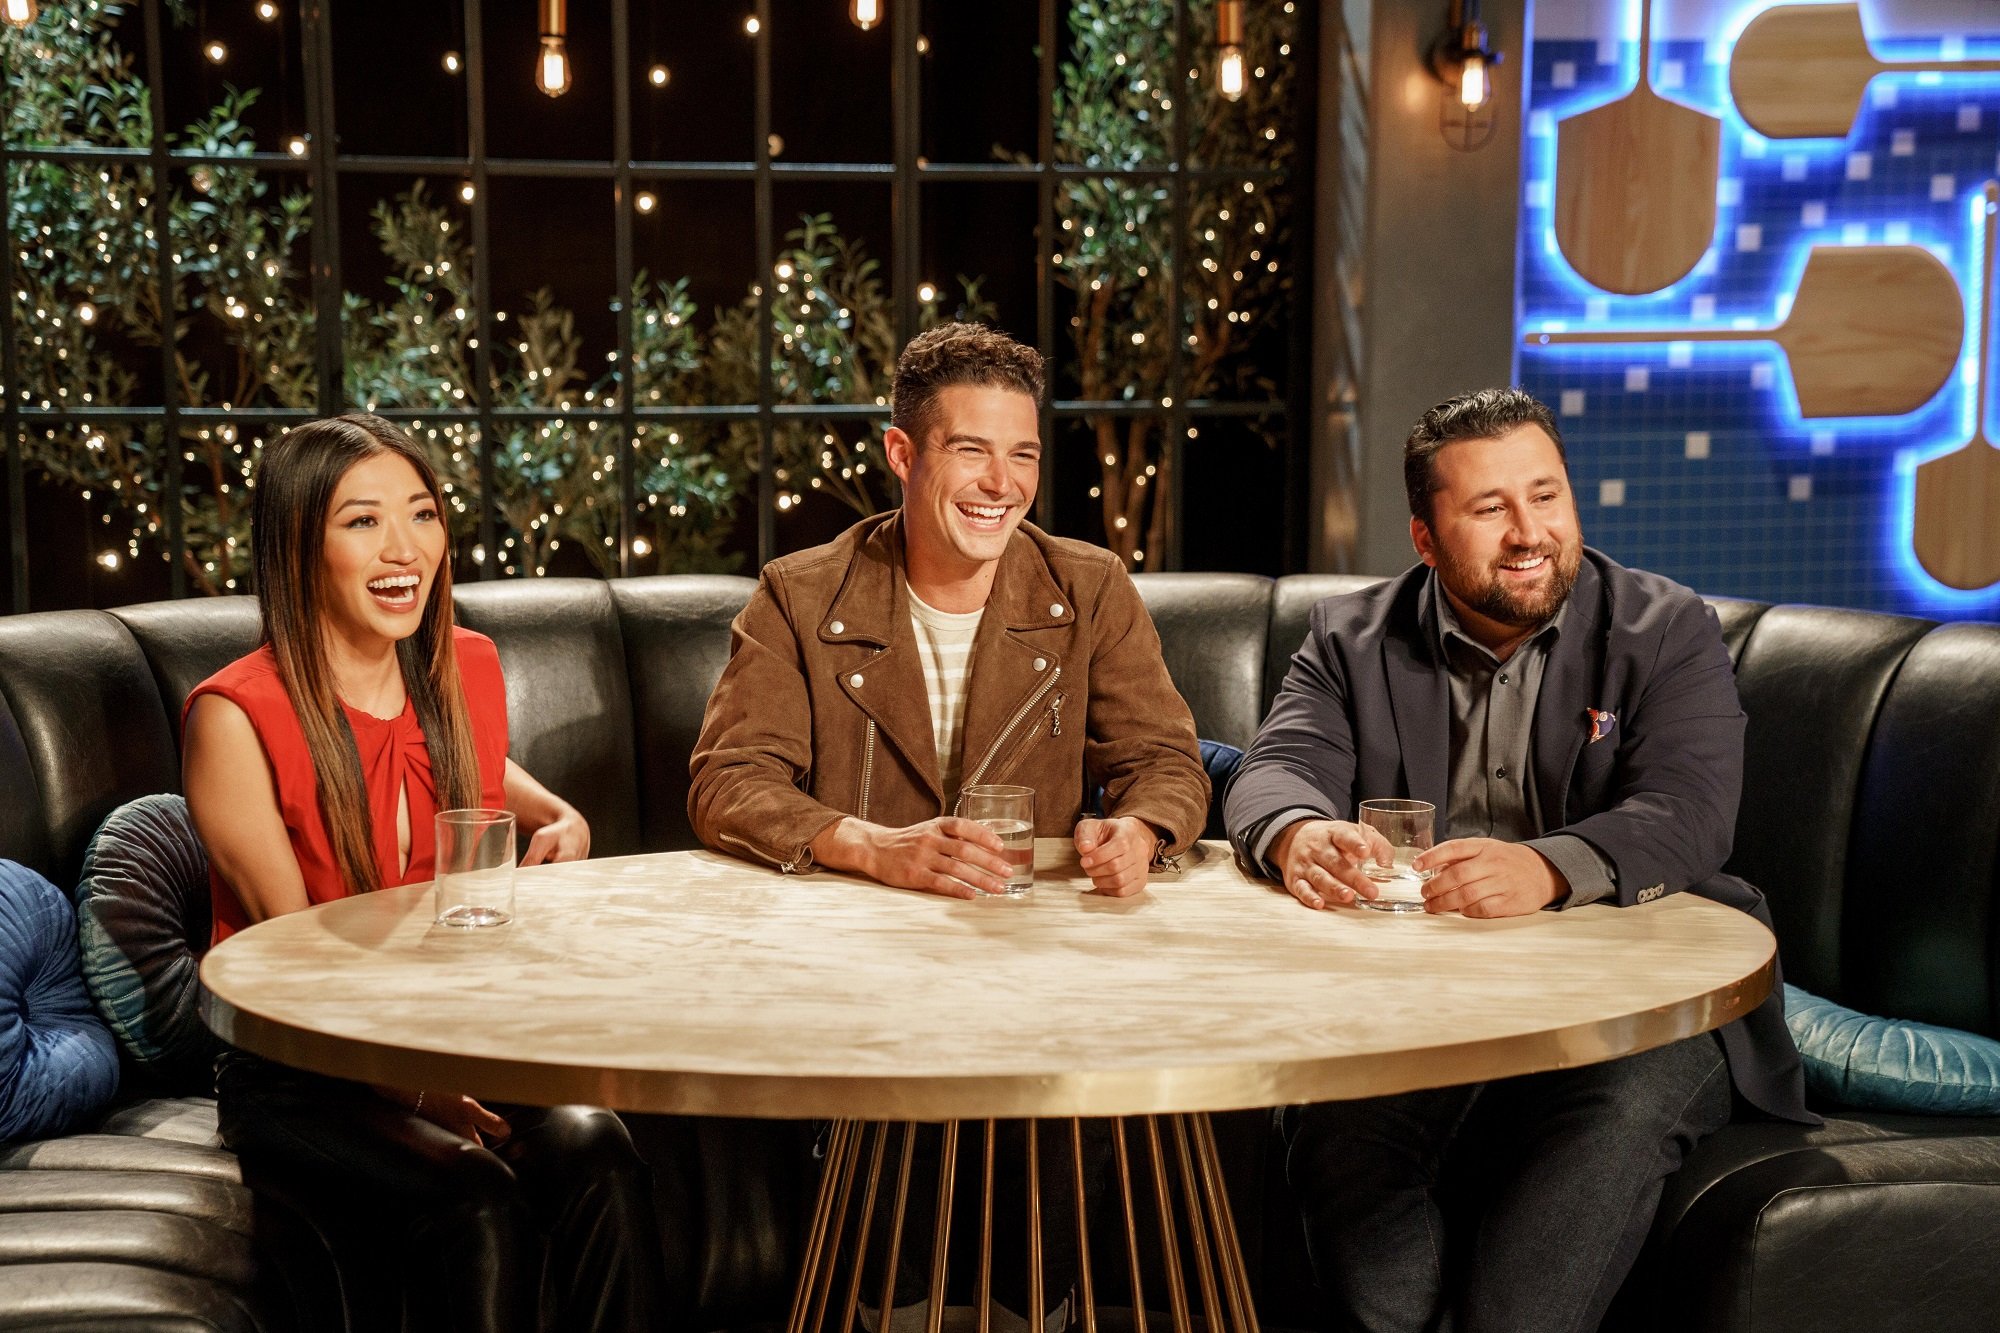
(1230,78)
(1474,87)
(552,64)
(19,13)
(865,13)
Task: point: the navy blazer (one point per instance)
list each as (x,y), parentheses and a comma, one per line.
(1365,712)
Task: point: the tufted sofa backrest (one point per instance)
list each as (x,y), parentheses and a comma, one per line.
(1870,815)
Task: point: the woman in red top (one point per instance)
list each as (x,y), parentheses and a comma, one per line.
(314,768)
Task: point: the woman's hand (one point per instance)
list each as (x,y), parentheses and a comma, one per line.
(447,1110)
(564,838)
(557,830)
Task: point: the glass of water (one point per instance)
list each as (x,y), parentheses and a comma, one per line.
(1009,812)
(475,867)
(1399,886)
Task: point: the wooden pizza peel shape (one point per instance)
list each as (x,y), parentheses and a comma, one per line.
(1635,185)
(1800,71)
(1874,331)
(1956,526)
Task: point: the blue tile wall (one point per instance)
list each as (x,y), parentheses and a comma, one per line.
(1692,459)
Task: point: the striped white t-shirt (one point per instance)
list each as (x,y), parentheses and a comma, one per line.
(944,645)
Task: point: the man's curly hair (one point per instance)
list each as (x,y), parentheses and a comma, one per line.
(957,354)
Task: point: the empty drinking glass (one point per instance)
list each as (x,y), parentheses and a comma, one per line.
(475,867)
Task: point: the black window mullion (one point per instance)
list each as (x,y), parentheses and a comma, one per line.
(767,439)
(328,355)
(621,303)
(1045,270)
(1298,390)
(1174,449)
(10,386)
(482,284)
(163,253)
(905,209)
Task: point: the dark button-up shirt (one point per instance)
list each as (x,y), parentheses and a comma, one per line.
(1492,747)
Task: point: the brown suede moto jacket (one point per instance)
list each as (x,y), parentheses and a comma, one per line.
(822,710)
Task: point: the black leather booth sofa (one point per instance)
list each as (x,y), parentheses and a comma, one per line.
(1871,817)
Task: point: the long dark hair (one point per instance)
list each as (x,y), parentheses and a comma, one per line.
(295,483)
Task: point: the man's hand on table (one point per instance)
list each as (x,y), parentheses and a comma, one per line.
(1487,877)
(1116,853)
(1321,860)
(948,855)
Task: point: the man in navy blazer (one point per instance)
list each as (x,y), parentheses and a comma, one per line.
(1576,725)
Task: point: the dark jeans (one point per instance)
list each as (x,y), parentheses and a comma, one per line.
(552,1228)
(1055,1161)
(1514,1205)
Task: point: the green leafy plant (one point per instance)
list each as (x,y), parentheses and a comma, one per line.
(88,310)
(87,301)
(1114,110)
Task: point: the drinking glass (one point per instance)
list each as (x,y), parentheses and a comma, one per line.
(475,867)
(1399,886)
(1009,812)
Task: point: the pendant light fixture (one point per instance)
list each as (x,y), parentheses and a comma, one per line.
(552,62)
(1231,77)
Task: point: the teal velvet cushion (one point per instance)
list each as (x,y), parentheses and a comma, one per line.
(57,1063)
(142,913)
(1889,1064)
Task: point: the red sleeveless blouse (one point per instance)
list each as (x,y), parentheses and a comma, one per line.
(394,757)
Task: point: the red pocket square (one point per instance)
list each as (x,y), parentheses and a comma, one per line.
(1601,723)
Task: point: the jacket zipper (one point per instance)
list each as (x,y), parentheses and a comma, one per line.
(867,767)
(1013,722)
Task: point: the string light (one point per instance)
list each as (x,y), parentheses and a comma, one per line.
(466,192)
(267,11)
(645,201)
(20,13)
(296,145)
(1229,80)
(86,313)
(752,26)
(452,63)
(927,293)
(552,64)
(216,52)
(865,13)
(659,75)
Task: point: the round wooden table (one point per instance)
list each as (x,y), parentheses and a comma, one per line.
(692,982)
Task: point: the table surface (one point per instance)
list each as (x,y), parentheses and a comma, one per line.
(693,982)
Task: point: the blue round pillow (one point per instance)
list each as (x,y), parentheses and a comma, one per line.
(57,1062)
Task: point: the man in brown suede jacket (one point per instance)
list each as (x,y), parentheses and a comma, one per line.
(944,644)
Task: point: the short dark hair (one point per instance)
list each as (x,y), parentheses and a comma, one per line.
(1483,414)
(957,354)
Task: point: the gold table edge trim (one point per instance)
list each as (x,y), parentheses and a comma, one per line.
(1151,1091)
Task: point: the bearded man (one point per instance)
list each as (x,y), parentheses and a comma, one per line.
(1577,728)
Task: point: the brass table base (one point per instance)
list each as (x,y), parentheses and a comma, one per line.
(1179,1179)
